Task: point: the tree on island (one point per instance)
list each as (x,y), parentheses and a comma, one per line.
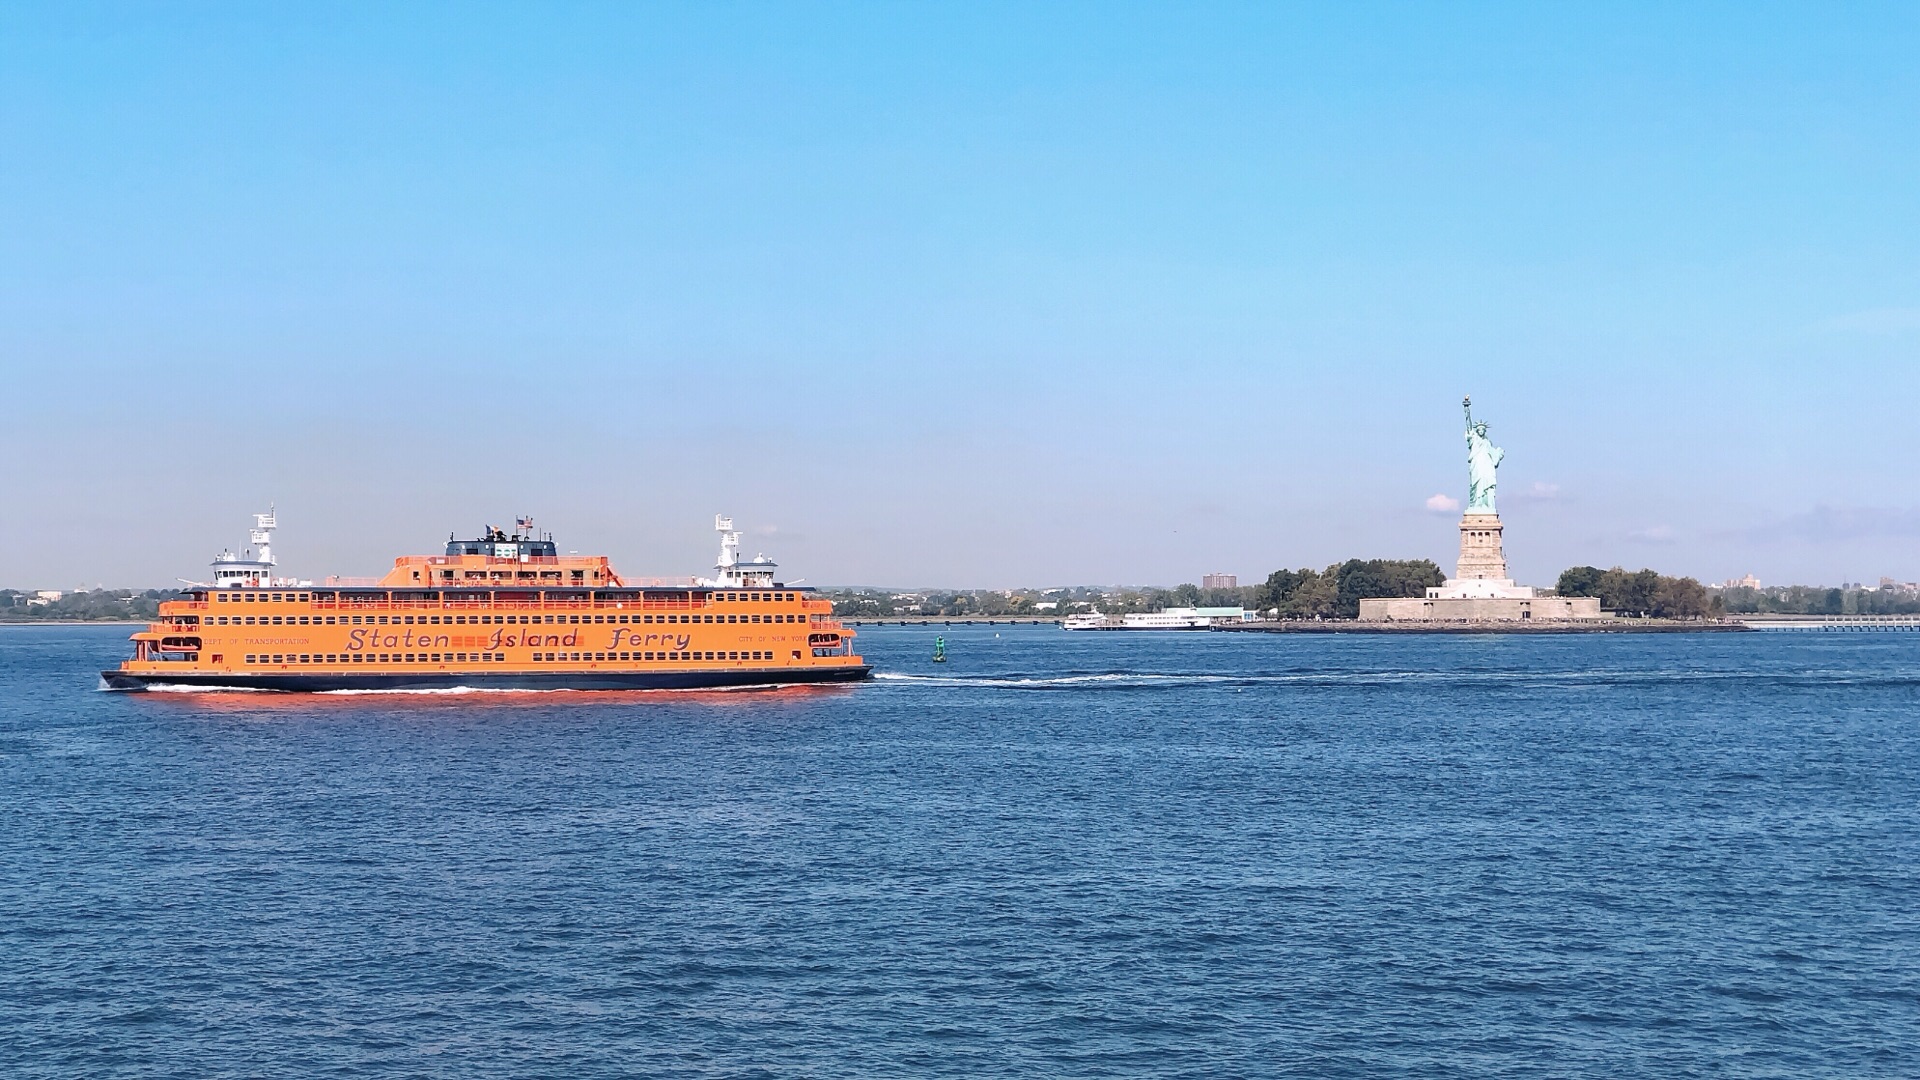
(1336,592)
(1639,592)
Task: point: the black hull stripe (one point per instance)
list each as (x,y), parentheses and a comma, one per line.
(526,680)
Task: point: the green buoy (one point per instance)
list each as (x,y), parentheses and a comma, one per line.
(939,650)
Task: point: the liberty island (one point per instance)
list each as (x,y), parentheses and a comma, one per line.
(1481,590)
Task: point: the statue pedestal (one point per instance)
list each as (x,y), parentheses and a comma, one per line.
(1481,573)
(1481,555)
(1481,591)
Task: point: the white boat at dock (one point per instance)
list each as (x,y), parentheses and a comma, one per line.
(1176,618)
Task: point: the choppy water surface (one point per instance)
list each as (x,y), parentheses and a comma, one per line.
(1057,855)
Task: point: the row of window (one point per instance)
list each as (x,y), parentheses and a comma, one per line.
(602,657)
(486,620)
(486,657)
(249,596)
(374,658)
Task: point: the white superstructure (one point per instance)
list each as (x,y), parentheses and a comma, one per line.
(730,572)
(253,568)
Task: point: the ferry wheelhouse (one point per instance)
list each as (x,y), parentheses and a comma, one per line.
(506,610)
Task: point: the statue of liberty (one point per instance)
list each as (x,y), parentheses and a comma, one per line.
(1483,459)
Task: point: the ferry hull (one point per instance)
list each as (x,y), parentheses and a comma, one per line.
(317,682)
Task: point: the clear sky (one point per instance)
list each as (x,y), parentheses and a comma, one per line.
(970,294)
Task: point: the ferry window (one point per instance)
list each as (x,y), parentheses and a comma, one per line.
(248,597)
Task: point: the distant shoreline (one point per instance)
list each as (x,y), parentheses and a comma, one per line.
(74,622)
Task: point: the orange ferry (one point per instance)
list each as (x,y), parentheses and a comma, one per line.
(505,611)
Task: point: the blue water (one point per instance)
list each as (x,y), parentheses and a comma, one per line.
(1057,855)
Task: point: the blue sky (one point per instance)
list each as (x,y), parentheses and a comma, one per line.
(974,295)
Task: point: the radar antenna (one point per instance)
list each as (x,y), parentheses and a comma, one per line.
(261,535)
(729,544)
